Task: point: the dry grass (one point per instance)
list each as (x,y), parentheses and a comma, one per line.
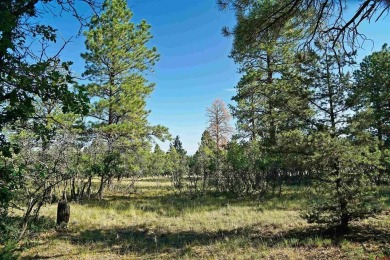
(156,223)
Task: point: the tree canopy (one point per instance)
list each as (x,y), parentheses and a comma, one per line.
(328,18)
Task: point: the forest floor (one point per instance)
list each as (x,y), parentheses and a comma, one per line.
(156,223)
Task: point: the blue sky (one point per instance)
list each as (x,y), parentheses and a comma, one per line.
(194,67)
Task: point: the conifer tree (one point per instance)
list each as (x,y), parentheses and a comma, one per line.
(371,102)
(271,101)
(117,59)
(205,159)
(297,105)
(345,166)
(269,98)
(329,19)
(158,161)
(177,144)
(177,164)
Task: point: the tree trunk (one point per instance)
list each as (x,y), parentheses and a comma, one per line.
(343,227)
(89,187)
(26,217)
(109,182)
(101,188)
(73,189)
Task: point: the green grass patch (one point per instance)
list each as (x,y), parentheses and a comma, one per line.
(153,222)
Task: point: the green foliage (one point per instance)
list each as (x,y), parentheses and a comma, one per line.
(28,77)
(246,168)
(345,169)
(204,162)
(336,20)
(8,252)
(117,59)
(344,182)
(296,110)
(300,115)
(10,183)
(271,102)
(371,95)
(158,162)
(42,163)
(178,146)
(177,164)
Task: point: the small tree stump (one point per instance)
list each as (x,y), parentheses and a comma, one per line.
(63,213)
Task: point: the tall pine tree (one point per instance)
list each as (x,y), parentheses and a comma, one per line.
(271,102)
(344,165)
(117,59)
(371,101)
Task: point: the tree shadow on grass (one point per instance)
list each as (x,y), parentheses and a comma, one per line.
(35,227)
(171,204)
(39,256)
(168,204)
(142,240)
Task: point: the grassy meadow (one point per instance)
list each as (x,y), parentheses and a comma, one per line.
(154,222)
